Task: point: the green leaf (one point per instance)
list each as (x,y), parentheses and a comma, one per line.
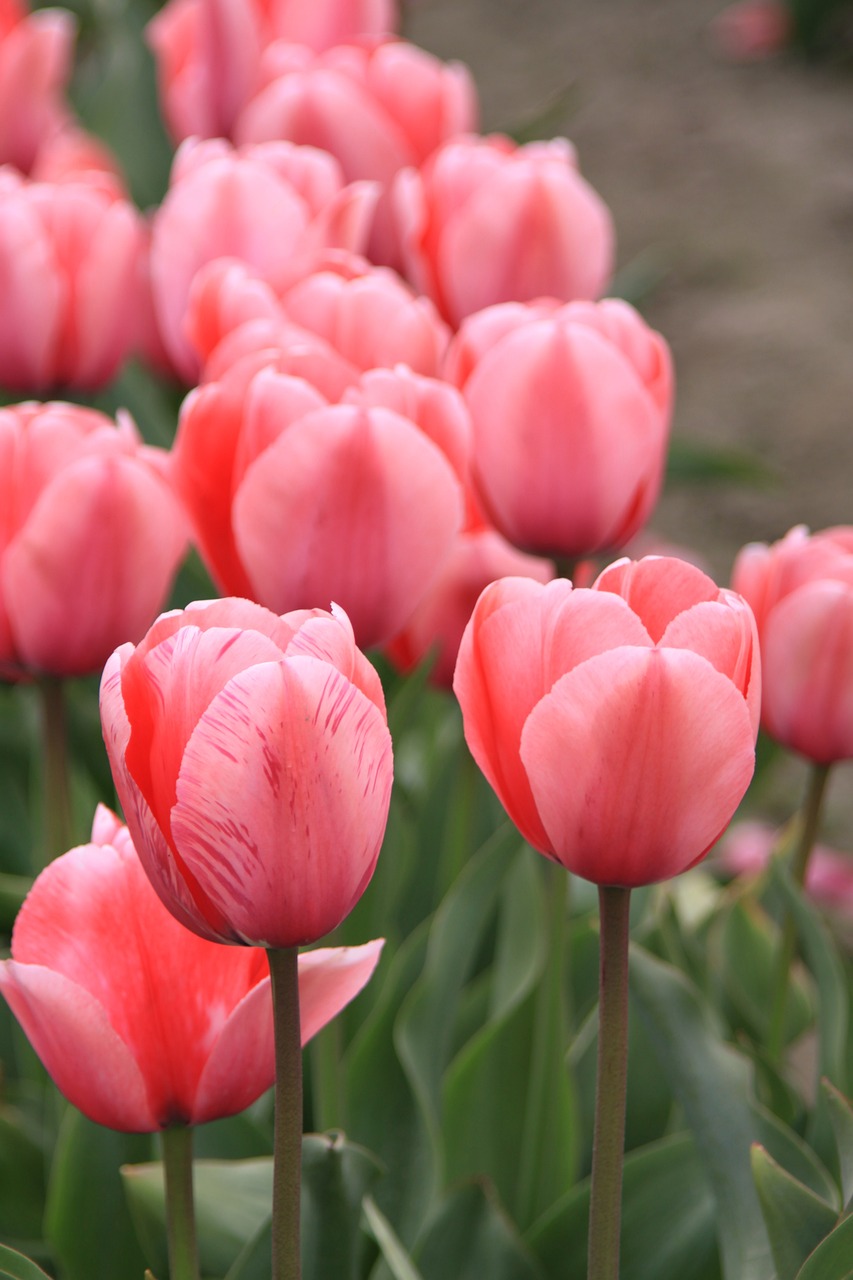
(746,963)
(396,1259)
(15,1266)
(21,1177)
(706,462)
(471,1238)
(831,1260)
(711,1081)
(797,1219)
(336,1176)
(668,1219)
(841,1113)
(87,1219)
(790,1151)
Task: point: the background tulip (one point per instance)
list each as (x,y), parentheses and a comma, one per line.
(141,1024)
(801,590)
(554,235)
(252,758)
(616,724)
(35,66)
(91,536)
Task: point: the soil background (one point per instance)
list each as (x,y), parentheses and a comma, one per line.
(731,185)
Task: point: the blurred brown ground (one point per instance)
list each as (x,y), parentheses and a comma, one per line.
(736,181)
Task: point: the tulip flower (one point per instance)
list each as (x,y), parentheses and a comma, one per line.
(276,207)
(297,502)
(69,260)
(377,109)
(208,52)
(617,724)
(252,759)
(91,536)
(570,413)
(141,1023)
(801,591)
(36,52)
(484,221)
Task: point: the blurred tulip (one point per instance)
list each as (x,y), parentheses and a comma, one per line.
(296,502)
(91,536)
(252,758)
(570,411)
(484,221)
(275,207)
(751,30)
(616,724)
(69,256)
(141,1024)
(36,51)
(376,109)
(208,51)
(801,591)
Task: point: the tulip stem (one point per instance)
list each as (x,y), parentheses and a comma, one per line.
(547,1049)
(287,1176)
(608,1149)
(810,819)
(177,1145)
(57,837)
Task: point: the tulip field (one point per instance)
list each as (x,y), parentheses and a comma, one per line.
(400,873)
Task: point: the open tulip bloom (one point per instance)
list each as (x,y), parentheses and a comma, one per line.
(617,726)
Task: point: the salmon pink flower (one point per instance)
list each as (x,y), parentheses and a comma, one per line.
(36,51)
(617,724)
(142,1024)
(801,591)
(252,758)
(91,536)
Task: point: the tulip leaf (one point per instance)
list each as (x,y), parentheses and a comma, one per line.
(86,1218)
(833,1258)
(336,1176)
(696,461)
(396,1259)
(841,1114)
(668,1219)
(712,1083)
(471,1237)
(21,1177)
(14,1266)
(747,954)
(789,1150)
(797,1219)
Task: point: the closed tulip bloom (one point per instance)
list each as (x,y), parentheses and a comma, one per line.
(91,536)
(142,1024)
(617,724)
(570,413)
(252,758)
(36,51)
(296,502)
(276,207)
(69,261)
(801,590)
(484,221)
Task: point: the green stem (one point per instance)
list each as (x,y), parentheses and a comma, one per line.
(608,1150)
(58,835)
(815,792)
(287,1176)
(549,1042)
(177,1144)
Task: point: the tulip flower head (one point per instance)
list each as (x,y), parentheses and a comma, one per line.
(142,1024)
(617,724)
(252,758)
(801,591)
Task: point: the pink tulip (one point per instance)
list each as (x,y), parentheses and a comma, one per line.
(296,502)
(377,109)
(208,52)
(278,208)
(484,221)
(141,1024)
(479,557)
(616,724)
(751,30)
(252,758)
(69,256)
(91,536)
(570,411)
(801,590)
(36,51)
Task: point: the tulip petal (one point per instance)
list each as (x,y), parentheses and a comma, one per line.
(303,759)
(329,977)
(637,760)
(658,588)
(724,633)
